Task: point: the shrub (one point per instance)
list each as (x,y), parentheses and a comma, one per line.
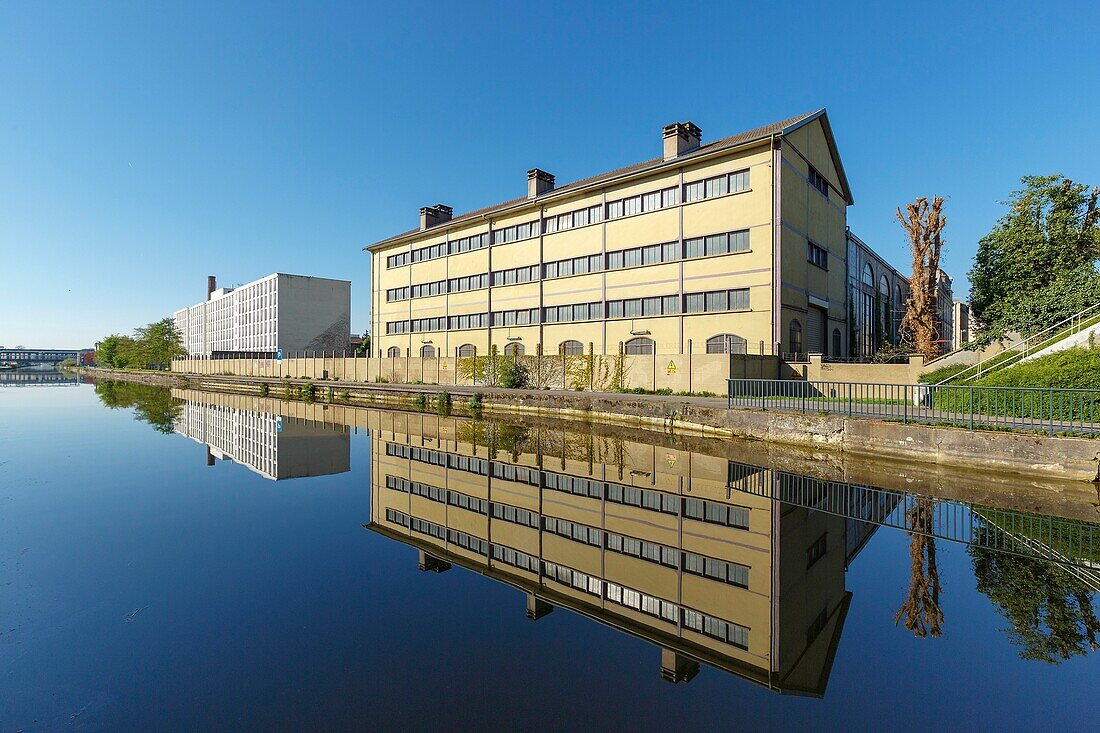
(514,374)
(264,389)
(475,403)
(443,403)
(307,391)
(420,401)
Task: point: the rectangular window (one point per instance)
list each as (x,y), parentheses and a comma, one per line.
(819,182)
(696,191)
(651,201)
(670,197)
(818,256)
(614,209)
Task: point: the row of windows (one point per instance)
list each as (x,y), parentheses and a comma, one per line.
(569,220)
(515,558)
(700,509)
(431,252)
(573,266)
(707,302)
(707,567)
(525,274)
(641,203)
(453,536)
(725,631)
(575,312)
(636,307)
(717,300)
(519,317)
(707,246)
(507,512)
(516,232)
(716,186)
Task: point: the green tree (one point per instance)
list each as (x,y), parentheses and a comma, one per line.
(1050,609)
(1038,265)
(158,343)
(116,351)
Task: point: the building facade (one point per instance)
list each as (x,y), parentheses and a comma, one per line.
(291,313)
(877,294)
(877,298)
(735,245)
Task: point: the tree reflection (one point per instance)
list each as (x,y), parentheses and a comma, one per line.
(921,609)
(1049,607)
(152,405)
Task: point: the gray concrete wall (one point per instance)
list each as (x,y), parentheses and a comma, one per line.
(314,313)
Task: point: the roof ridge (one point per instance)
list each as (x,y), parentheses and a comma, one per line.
(745,136)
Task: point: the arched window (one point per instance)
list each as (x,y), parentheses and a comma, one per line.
(898,301)
(727,343)
(393,352)
(794,345)
(571,347)
(640,345)
(466,351)
(884,288)
(427,351)
(836,342)
(514,349)
(868,276)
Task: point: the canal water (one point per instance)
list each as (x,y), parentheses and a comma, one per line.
(188,561)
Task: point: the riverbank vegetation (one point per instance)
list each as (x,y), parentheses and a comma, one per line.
(152,346)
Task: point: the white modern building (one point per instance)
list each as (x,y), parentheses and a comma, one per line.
(294,313)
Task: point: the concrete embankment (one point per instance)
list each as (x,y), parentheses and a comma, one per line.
(1026,454)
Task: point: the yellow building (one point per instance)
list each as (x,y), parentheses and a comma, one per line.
(734,245)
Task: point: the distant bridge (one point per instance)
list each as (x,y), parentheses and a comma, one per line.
(39,356)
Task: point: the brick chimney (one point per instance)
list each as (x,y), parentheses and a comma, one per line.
(432,215)
(211,285)
(539,182)
(680,138)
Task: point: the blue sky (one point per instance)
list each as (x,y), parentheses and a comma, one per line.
(146,145)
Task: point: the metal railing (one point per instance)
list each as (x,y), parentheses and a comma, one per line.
(1068,542)
(1030,345)
(1051,411)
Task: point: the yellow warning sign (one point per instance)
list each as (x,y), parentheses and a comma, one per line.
(671,368)
(670,459)
(443,366)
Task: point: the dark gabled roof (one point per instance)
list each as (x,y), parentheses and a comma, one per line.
(759,133)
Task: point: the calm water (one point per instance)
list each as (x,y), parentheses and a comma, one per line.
(279,587)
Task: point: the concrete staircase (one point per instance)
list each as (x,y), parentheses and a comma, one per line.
(1073,331)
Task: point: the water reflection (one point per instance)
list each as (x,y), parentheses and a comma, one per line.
(732,560)
(29,377)
(275,446)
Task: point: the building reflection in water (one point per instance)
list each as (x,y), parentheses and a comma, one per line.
(275,446)
(684,550)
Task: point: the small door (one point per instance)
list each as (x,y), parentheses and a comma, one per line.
(815,331)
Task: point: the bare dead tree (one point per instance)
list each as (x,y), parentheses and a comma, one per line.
(921,609)
(923,222)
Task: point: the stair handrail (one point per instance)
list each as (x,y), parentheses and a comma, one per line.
(1022,348)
